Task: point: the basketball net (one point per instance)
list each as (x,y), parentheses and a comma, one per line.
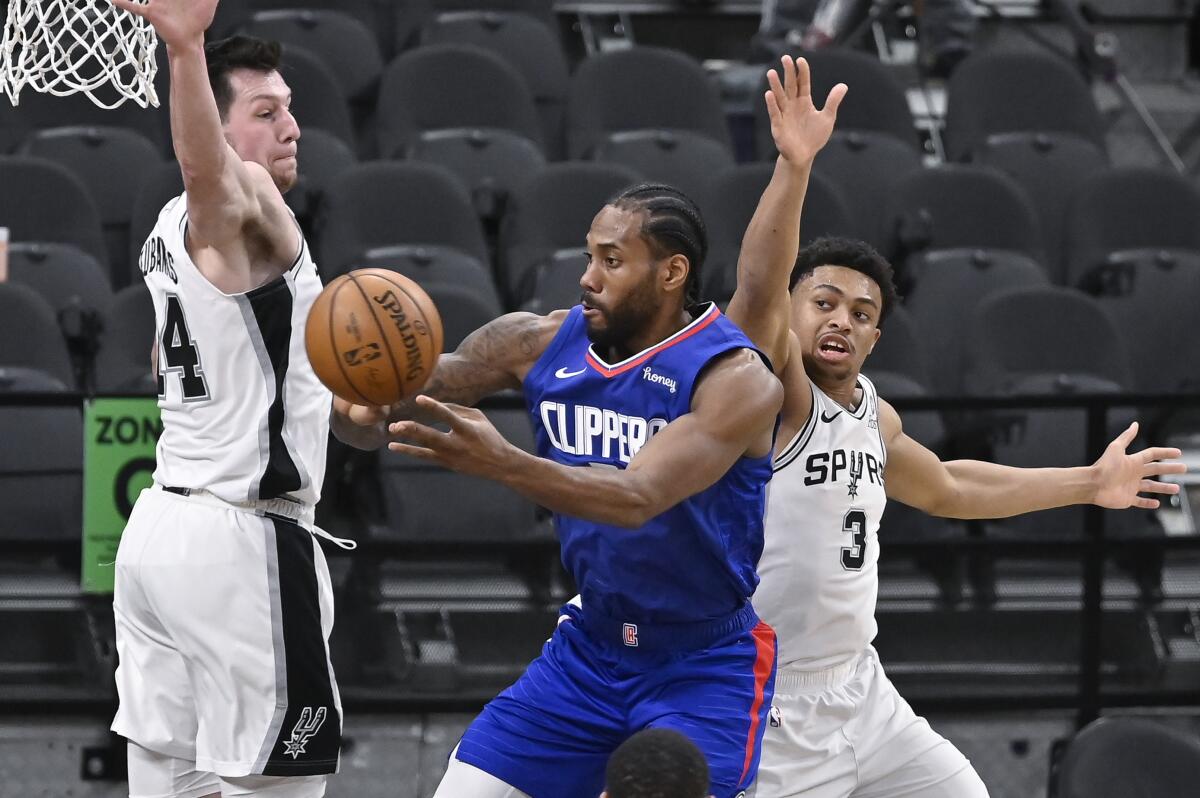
(66,47)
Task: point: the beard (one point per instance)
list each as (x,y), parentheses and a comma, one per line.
(623,322)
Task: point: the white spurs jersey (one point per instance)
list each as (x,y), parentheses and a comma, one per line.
(244,416)
(818,572)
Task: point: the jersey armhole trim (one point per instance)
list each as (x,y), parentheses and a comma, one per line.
(801,439)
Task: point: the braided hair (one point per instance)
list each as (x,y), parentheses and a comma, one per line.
(673,226)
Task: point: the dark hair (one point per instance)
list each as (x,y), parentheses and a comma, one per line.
(851,254)
(237,52)
(657,763)
(673,226)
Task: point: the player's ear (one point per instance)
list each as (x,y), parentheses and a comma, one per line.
(878,332)
(676,272)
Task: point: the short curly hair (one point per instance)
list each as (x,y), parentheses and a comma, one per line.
(657,763)
(851,254)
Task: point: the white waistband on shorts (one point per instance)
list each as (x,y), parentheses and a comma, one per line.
(301,514)
(790,677)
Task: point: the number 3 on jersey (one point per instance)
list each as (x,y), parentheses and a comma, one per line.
(853,556)
(180,355)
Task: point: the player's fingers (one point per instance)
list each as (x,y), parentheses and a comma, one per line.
(1162,453)
(1157,468)
(1151,486)
(775,86)
(1145,504)
(439,410)
(128,5)
(417,433)
(774,112)
(1126,437)
(789,76)
(803,78)
(367,416)
(834,100)
(419,452)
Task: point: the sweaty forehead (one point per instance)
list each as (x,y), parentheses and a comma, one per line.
(851,282)
(616,226)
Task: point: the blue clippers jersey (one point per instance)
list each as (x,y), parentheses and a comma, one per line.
(697,560)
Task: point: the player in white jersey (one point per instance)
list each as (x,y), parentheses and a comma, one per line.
(838,727)
(223,602)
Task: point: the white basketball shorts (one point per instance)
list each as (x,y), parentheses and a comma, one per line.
(223,616)
(846,731)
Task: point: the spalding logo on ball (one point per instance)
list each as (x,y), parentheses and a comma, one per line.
(373,337)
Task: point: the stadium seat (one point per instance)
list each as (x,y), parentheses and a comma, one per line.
(415,15)
(678,158)
(317,97)
(1050,167)
(452,87)
(866,166)
(159,184)
(553,211)
(641,88)
(1017,91)
(875,102)
(343,43)
(321,157)
(955,207)
(899,351)
(29,334)
(556,281)
(378,17)
(53,205)
(1123,757)
(948,286)
(386,203)
(43,111)
(123,363)
(489,162)
(729,205)
(110,161)
(435,264)
(41,473)
(424,502)
(1152,296)
(1130,208)
(63,275)
(463,308)
(529,43)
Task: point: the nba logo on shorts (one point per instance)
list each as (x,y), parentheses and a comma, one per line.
(630,632)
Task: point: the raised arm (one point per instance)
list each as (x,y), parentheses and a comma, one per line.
(494,358)
(976,489)
(760,303)
(226,196)
(732,415)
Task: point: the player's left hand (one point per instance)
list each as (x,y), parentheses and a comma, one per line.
(799,129)
(471,446)
(1121,476)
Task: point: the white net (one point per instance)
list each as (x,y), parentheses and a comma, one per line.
(78,46)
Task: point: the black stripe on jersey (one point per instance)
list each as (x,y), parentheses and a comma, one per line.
(272,307)
(793,449)
(311,735)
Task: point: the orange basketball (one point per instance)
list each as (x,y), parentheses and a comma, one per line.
(373,337)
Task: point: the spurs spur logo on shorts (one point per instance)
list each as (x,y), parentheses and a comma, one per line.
(308,725)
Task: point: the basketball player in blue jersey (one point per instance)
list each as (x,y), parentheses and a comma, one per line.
(838,727)
(655,421)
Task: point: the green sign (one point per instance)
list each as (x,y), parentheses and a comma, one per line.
(118,461)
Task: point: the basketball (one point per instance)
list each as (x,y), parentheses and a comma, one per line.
(373,337)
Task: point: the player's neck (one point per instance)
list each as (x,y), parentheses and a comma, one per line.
(844,391)
(663,326)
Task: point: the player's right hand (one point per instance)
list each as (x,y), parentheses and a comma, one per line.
(177,22)
(362,415)
(799,129)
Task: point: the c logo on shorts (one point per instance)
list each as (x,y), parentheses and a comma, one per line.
(629,631)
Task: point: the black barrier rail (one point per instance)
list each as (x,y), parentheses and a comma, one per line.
(1093,551)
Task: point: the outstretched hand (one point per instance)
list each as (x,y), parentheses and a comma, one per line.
(176,22)
(1121,477)
(471,446)
(799,129)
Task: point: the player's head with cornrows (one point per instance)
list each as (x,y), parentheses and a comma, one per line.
(657,763)
(254,103)
(842,290)
(646,248)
